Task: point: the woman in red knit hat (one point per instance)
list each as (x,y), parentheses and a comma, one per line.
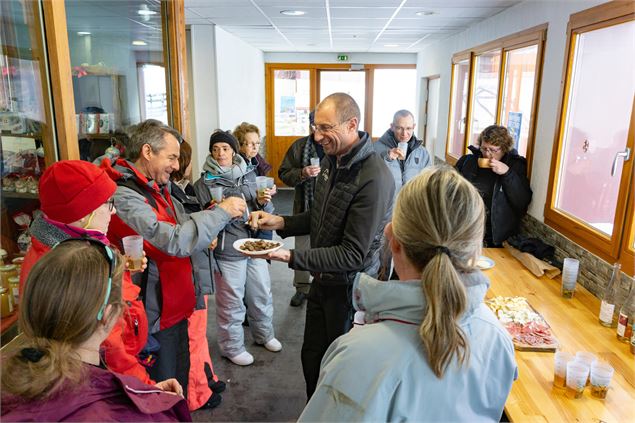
(76,202)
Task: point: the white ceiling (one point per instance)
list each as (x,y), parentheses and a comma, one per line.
(342,25)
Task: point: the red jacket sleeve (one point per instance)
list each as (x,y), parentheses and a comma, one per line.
(118,359)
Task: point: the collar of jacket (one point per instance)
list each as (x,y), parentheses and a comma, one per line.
(389,140)
(359,152)
(404,300)
(127,170)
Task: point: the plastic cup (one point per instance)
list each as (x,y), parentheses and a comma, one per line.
(585,357)
(133,248)
(577,374)
(315,161)
(601,375)
(403,146)
(261,184)
(217,194)
(269,182)
(560,368)
(569,276)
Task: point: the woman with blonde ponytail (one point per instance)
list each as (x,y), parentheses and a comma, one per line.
(430,350)
(53,371)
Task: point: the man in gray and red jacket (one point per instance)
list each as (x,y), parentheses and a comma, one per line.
(353,193)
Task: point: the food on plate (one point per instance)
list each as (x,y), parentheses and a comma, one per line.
(259,245)
(525,326)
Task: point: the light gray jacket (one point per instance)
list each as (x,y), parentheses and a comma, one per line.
(379,371)
(402,171)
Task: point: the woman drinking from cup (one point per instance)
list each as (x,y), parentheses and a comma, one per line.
(53,371)
(500,175)
(240,277)
(430,349)
(76,202)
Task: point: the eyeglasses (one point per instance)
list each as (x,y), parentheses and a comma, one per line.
(404,129)
(110,258)
(111,204)
(323,128)
(489,150)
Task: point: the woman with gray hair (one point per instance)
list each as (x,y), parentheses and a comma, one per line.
(430,349)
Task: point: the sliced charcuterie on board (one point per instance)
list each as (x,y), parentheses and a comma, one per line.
(528,329)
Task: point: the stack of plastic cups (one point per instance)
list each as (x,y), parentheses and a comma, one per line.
(569,276)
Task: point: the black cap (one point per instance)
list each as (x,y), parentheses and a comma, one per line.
(222,136)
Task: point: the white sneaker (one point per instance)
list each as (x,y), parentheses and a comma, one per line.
(274,345)
(242,359)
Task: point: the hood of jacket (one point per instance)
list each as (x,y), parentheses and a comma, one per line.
(359,152)
(404,300)
(238,169)
(101,385)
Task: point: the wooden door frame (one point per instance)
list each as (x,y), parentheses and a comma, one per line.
(314,69)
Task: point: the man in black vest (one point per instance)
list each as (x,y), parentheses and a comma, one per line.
(353,193)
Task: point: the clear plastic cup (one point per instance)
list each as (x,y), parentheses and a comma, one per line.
(570,270)
(577,374)
(315,161)
(601,375)
(270,182)
(403,146)
(133,248)
(261,184)
(560,368)
(217,194)
(585,357)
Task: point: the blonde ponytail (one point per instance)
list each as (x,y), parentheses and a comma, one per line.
(439,219)
(440,333)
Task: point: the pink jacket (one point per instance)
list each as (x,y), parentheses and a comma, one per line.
(105,396)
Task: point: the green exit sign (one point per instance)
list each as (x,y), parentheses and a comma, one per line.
(342,57)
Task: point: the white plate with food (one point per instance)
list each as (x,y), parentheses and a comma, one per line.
(484,263)
(256,246)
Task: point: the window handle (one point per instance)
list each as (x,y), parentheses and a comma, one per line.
(626,154)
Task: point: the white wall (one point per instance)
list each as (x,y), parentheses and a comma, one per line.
(203,96)
(436,60)
(241,82)
(366,58)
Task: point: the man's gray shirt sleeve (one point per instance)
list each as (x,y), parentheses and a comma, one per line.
(180,240)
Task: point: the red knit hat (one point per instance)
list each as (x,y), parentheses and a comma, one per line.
(72,189)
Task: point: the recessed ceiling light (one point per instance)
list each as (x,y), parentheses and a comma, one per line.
(146,12)
(426,13)
(139,43)
(83,33)
(391,45)
(293,12)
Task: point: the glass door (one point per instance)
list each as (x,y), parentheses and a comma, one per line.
(290,97)
(352,83)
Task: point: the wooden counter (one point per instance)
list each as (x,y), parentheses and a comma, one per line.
(575,324)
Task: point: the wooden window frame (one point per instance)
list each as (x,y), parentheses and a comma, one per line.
(615,247)
(456,59)
(536,35)
(273,150)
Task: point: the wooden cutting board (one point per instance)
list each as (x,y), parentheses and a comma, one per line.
(520,346)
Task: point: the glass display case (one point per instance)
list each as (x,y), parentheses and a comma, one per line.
(25,107)
(118,69)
